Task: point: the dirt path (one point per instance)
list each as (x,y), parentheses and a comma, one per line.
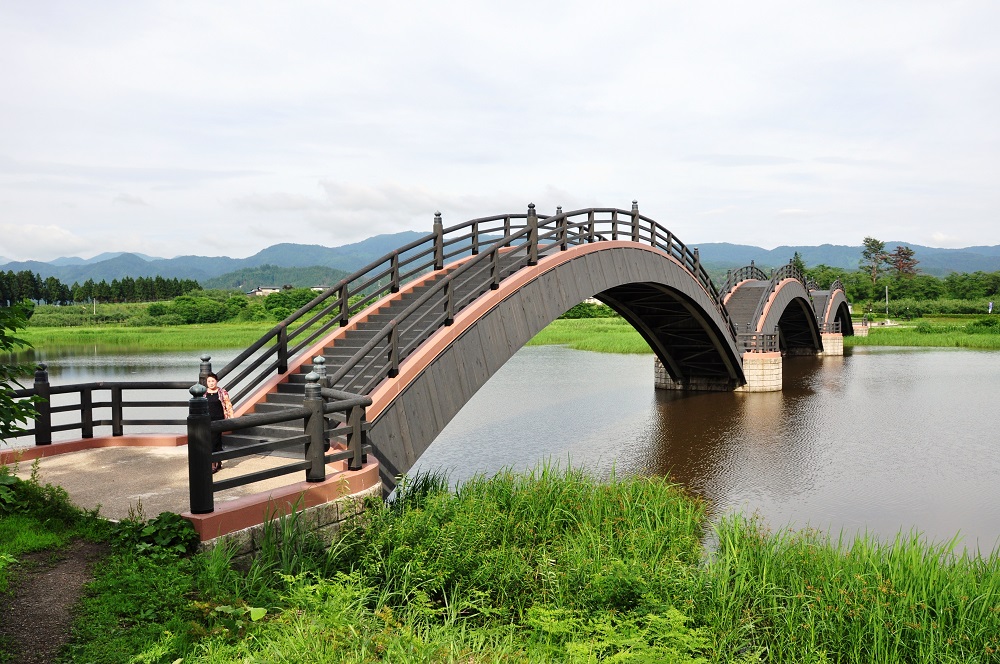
(35,618)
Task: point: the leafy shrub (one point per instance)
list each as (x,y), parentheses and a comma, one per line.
(984,326)
(169,534)
(157,309)
(590,310)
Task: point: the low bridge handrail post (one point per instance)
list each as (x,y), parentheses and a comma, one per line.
(438,242)
(356,438)
(315,428)
(204,368)
(635,221)
(86,412)
(117,411)
(563,230)
(532,235)
(283,349)
(200,491)
(43,407)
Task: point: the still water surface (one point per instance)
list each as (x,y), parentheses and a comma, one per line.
(881,440)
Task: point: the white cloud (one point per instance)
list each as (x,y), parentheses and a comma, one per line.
(260,126)
(129,199)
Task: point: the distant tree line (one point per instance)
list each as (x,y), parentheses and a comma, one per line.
(879,269)
(27,285)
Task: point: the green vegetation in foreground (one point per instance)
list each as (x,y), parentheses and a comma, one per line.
(550,566)
(172,338)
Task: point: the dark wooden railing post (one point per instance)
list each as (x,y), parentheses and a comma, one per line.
(506,225)
(438,242)
(614,224)
(199,435)
(590,227)
(356,437)
(394,285)
(495,269)
(205,368)
(43,409)
(563,230)
(283,349)
(314,428)
(532,235)
(87,413)
(697,263)
(394,351)
(449,302)
(345,307)
(319,368)
(475,238)
(117,425)
(635,221)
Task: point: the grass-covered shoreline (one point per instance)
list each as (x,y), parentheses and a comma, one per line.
(545,566)
(604,335)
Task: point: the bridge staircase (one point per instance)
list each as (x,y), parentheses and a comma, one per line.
(356,350)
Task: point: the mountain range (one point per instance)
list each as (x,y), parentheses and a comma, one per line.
(350,257)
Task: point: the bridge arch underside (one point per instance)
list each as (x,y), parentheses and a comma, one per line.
(655,294)
(791,315)
(839,312)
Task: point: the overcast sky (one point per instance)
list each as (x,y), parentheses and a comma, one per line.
(216,128)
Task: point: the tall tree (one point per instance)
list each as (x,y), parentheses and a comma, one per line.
(799,264)
(873,258)
(902,262)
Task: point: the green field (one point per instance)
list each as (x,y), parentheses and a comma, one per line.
(604,335)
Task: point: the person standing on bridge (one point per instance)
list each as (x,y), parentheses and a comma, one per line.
(219,408)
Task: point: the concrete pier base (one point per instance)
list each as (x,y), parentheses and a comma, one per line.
(833,343)
(663,381)
(762,371)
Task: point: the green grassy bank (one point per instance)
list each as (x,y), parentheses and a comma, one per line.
(605,335)
(169,338)
(549,566)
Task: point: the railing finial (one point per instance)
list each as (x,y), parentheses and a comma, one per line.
(635,205)
(558,210)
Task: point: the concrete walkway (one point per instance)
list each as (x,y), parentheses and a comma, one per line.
(118,480)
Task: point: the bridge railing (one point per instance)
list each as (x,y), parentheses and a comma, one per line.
(89,400)
(733,277)
(320,434)
(788,271)
(483,242)
(758,342)
(830,328)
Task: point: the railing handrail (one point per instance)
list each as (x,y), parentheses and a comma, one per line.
(734,277)
(317,436)
(787,271)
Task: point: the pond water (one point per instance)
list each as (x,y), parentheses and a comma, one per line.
(882,439)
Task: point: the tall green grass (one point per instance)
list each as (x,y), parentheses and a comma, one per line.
(804,597)
(179,337)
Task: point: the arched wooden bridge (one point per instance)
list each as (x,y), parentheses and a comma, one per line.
(378,364)
(419,331)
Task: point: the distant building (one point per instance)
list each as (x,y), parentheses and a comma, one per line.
(264,290)
(319,289)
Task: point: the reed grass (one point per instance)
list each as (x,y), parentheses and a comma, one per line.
(168,338)
(802,596)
